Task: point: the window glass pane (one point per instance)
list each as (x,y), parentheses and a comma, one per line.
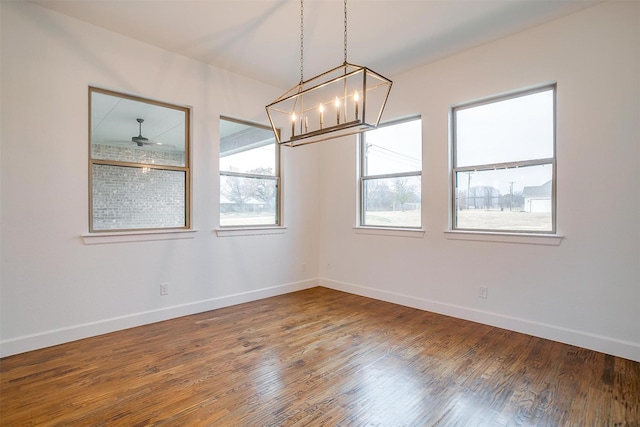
(248,201)
(514,199)
(393,149)
(392,202)
(247,148)
(136,131)
(261,160)
(514,129)
(137,197)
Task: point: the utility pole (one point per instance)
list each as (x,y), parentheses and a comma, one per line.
(468,188)
(511,194)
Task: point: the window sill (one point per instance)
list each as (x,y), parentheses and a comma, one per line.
(255,231)
(397,232)
(136,236)
(529,239)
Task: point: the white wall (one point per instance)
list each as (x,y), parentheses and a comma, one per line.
(586,291)
(54,288)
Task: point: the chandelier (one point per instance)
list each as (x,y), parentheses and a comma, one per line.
(345,100)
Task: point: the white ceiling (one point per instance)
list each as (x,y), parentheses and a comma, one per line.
(261,38)
(114,122)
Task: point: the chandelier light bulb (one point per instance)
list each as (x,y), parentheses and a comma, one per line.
(342,85)
(356,98)
(293,124)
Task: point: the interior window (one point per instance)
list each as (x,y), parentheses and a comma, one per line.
(139,163)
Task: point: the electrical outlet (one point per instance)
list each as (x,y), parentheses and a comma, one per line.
(304,267)
(164,289)
(484,292)
(328,266)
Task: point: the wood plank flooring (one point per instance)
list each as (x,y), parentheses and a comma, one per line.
(318,357)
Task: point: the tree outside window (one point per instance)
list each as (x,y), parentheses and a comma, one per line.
(249,190)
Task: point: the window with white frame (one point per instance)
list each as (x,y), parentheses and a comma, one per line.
(249,175)
(504,163)
(391,175)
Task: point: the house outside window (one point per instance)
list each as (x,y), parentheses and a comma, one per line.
(139,175)
(249,175)
(391,175)
(504,163)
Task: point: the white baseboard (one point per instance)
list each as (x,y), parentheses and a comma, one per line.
(72,333)
(625,349)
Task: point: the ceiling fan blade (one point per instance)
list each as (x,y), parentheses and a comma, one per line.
(159,144)
(141,141)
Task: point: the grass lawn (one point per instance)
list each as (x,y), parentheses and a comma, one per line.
(471,219)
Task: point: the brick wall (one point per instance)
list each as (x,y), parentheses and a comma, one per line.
(137,197)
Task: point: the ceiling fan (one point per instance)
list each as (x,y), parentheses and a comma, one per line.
(141,141)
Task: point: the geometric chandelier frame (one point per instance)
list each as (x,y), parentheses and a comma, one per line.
(345,100)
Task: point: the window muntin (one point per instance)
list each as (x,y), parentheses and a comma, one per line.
(504,163)
(249,175)
(391,175)
(139,172)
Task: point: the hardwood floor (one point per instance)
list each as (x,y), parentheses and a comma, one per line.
(318,357)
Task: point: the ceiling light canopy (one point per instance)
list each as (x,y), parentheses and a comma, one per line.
(345,100)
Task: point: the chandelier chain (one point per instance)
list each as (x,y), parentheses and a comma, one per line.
(301,41)
(307,113)
(345,31)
